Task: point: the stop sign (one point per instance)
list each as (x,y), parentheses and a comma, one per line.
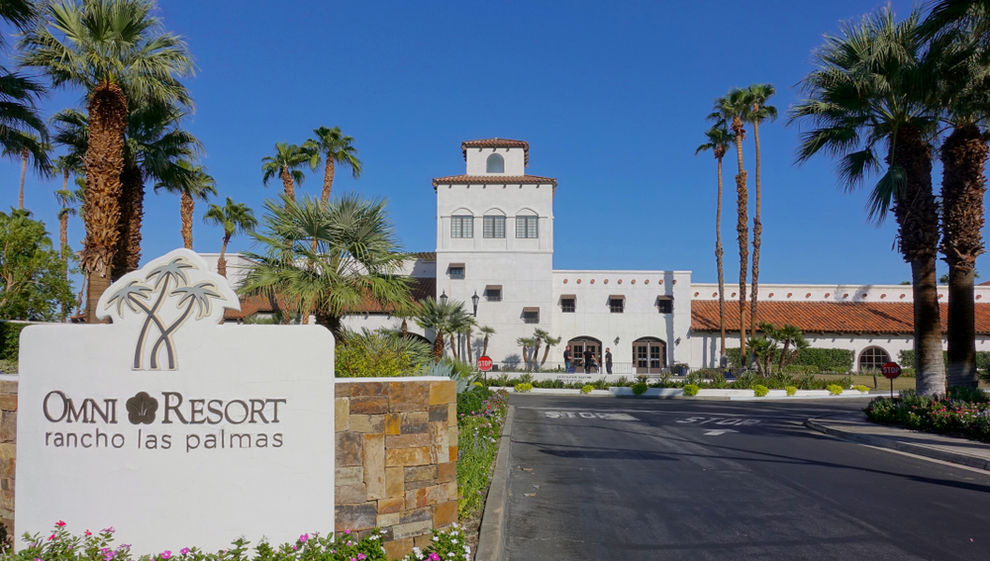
(891,370)
(484,363)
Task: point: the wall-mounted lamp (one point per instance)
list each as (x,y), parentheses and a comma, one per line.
(474,301)
(677,341)
(443,297)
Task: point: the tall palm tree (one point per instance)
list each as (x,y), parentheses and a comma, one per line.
(233,217)
(526,343)
(333,148)
(32,146)
(488,332)
(285,165)
(960,34)
(872,92)
(21,129)
(759,111)
(734,109)
(118,53)
(549,341)
(539,336)
(357,258)
(440,317)
(191,182)
(719,138)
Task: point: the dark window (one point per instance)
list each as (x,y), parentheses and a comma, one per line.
(873,358)
(493,294)
(495,164)
(456,271)
(531,316)
(616,305)
(494,226)
(665,305)
(567,305)
(462,226)
(527,226)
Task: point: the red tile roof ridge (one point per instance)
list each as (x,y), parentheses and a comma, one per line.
(493,179)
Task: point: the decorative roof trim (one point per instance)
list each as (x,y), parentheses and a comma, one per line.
(493,180)
(497,143)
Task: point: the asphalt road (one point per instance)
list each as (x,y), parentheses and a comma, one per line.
(630,479)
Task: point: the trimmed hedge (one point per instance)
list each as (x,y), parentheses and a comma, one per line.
(982,359)
(811,359)
(10,334)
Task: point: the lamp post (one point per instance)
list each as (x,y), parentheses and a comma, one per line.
(443,297)
(474,301)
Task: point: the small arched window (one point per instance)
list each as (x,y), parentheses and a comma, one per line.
(872,359)
(495,164)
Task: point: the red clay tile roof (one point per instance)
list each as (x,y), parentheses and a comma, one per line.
(828,317)
(492,180)
(421,289)
(497,143)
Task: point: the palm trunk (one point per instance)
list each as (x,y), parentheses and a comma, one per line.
(438,346)
(128,253)
(964,155)
(222,261)
(288,184)
(470,359)
(757,235)
(917,220)
(328,172)
(24,162)
(332,323)
(104,163)
(453,347)
(742,233)
(484,348)
(186,207)
(718,262)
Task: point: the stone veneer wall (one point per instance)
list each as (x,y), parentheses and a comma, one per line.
(396,458)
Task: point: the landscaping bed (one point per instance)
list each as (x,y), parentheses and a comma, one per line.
(963,413)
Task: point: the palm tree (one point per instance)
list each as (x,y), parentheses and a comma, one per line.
(527,344)
(759,111)
(539,335)
(871,89)
(488,331)
(30,146)
(734,109)
(233,217)
(333,148)
(959,33)
(21,129)
(549,341)
(357,258)
(439,317)
(118,53)
(285,164)
(191,183)
(719,138)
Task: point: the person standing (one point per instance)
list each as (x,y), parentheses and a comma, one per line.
(608,360)
(567,359)
(589,359)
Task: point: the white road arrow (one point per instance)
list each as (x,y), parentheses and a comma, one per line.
(718,432)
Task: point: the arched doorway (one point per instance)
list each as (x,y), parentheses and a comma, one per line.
(579,345)
(649,355)
(872,359)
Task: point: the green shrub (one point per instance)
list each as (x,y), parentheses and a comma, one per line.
(791,390)
(972,395)
(759,390)
(8,366)
(380,353)
(586,389)
(10,334)
(861,388)
(523,387)
(834,389)
(472,400)
(639,388)
(813,359)
(691,390)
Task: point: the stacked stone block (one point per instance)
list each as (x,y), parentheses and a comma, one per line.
(8,448)
(396,458)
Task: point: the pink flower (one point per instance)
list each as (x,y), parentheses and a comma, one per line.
(184,550)
(347,531)
(166,554)
(434,557)
(109,555)
(109,530)
(60,523)
(303,538)
(51,537)
(362,557)
(88,533)
(294,548)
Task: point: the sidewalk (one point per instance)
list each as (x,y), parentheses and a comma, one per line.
(857,428)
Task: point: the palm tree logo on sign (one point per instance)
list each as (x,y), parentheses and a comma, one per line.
(157,300)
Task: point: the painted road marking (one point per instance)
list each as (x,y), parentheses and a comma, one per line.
(725,421)
(588,415)
(718,432)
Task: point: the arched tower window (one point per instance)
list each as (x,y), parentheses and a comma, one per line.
(495,164)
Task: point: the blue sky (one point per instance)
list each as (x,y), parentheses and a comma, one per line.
(612,99)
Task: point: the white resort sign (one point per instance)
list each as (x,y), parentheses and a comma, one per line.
(172,428)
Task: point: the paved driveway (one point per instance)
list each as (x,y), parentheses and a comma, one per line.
(630,479)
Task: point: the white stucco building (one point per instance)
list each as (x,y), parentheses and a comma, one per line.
(495,241)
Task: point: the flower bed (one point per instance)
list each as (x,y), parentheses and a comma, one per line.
(479,429)
(959,415)
(60,545)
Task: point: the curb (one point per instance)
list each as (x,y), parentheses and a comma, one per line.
(893,443)
(491,542)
